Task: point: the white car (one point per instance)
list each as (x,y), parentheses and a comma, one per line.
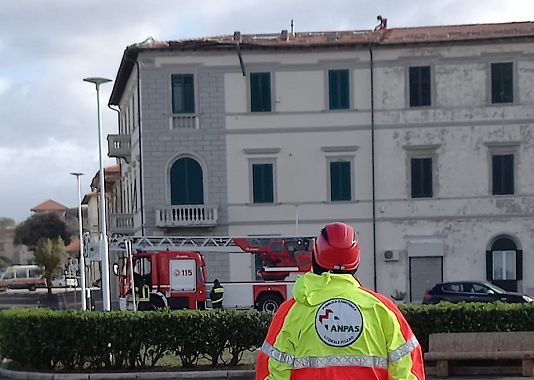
(62,281)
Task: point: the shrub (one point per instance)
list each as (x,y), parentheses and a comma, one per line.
(57,340)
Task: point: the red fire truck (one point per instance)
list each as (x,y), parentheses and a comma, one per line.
(170,271)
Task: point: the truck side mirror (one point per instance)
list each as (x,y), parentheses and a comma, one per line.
(116,269)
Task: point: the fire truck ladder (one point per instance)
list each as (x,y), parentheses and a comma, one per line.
(196,243)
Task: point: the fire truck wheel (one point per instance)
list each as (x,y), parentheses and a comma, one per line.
(269,302)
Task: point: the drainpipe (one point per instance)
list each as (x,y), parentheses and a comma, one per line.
(371,66)
(141,195)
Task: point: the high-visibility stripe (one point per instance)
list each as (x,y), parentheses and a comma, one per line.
(216,301)
(403,350)
(277,355)
(324,361)
(340,361)
(218,290)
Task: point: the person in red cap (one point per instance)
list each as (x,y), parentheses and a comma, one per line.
(333,328)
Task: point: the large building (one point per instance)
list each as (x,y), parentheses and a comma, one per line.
(421,138)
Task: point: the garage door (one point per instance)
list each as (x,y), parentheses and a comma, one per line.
(425,272)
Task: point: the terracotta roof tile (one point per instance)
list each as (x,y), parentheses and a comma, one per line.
(49,205)
(331,39)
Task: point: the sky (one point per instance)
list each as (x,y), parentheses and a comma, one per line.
(48,115)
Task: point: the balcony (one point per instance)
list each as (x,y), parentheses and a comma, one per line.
(119,146)
(121,224)
(184,121)
(187,216)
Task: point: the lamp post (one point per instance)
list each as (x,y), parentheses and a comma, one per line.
(102,220)
(82,258)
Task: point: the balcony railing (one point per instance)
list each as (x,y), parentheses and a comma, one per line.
(184,121)
(121,223)
(119,146)
(187,216)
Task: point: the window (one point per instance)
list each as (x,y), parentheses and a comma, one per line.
(420,88)
(262,183)
(22,273)
(502,86)
(340,181)
(338,89)
(502,174)
(481,289)
(260,92)
(183,93)
(187,184)
(504,265)
(421,177)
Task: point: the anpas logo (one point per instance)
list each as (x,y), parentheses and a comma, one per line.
(338,322)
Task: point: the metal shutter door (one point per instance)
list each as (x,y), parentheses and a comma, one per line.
(425,272)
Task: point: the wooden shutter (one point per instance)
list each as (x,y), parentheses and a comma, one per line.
(489,265)
(187,185)
(262,183)
(519,265)
(340,181)
(260,92)
(338,89)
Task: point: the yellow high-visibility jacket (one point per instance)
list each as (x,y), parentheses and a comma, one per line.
(335,329)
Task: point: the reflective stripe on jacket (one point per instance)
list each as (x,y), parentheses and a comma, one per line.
(217,294)
(335,329)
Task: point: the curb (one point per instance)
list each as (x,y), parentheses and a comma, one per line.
(206,375)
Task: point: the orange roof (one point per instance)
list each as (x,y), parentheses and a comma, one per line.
(50,205)
(381,35)
(74,245)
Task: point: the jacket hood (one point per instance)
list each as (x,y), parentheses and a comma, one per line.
(311,289)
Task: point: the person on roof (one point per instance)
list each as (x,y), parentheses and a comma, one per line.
(217,295)
(333,328)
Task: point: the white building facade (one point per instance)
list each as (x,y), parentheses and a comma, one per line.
(418,137)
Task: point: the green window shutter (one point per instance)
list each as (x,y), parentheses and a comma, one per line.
(262,183)
(260,92)
(502,82)
(503,174)
(420,86)
(183,93)
(340,181)
(421,177)
(338,89)
(187,183)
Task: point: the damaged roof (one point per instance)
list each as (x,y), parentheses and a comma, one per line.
(381,36)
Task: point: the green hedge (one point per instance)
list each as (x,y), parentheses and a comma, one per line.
(467,317)
(57,340)
(68,340)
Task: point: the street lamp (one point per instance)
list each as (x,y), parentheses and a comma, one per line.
(82,258)
(102,220)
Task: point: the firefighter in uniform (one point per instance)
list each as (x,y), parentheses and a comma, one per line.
(217,295)
(334,328)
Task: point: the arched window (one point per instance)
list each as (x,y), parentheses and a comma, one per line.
(187,183)
(504,263)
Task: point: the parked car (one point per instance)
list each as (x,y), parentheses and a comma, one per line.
(471,291)
(65,281)
(22,277)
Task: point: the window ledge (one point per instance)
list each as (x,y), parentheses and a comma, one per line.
(427,147)
(261,150)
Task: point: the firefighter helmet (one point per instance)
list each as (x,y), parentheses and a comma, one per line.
(337,248)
